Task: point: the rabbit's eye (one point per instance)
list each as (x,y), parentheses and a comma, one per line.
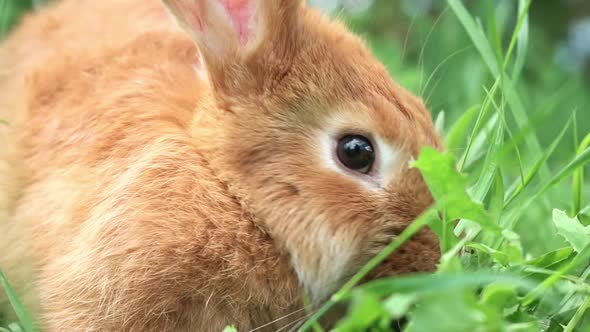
(356,152)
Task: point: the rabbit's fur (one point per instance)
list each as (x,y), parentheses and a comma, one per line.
(147,186)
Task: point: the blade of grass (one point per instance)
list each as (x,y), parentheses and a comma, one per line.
(540,117)
(479,123)
(486,178)
(567,170)
(24,318)
(3,17)
(578,179)
(439,123)
(522,40)
(439,66)
(458,131)
(580,160)
(480,143)
(507,86)
(421,56)
(476,34)
(577,316)
(493,35)
(441,282)
(502,116)
(582,282)
(308,306)
(514,191)
(532,270)
(519,33)
(496,205)
(481,188)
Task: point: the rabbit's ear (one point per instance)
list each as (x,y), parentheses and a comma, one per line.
(231,30)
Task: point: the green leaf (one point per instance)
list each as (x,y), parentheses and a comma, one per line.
(442,282)
(230,328)
(448,188)
(454,312)
(551,258)
(14,327)
(499,295)
(397,305)
(513,247)
(24,318)
(581,258)
(364,311)
(571,230)
(497,255)
(524,322)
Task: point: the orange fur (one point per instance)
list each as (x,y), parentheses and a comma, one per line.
(137,195)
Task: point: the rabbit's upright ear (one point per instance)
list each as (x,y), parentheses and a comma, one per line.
(228,31)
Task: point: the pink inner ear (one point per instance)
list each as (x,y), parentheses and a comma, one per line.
(241,13)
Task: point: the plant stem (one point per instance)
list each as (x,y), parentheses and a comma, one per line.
(577,316)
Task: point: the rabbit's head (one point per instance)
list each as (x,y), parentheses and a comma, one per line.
(311,135)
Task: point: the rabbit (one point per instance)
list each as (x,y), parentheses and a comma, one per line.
(190,164)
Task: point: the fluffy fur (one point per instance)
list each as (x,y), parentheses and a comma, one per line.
(149,186)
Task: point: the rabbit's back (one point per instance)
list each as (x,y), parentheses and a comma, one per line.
(62,66)
(83,26)
(100,100)
(51,52)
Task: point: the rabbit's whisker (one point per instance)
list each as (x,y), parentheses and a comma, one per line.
(278,319)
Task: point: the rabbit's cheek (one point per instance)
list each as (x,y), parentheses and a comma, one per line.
(323,260)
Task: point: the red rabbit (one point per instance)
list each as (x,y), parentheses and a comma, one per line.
(180,177)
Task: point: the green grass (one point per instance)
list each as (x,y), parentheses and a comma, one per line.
(25,322)
(517,132)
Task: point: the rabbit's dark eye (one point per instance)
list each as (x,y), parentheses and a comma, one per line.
(356,152)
